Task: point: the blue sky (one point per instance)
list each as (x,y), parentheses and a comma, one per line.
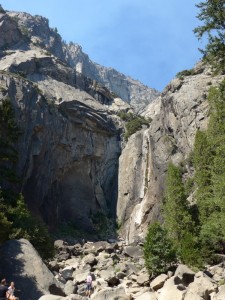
(149,40)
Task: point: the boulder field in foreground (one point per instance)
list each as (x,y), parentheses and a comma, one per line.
(118,274)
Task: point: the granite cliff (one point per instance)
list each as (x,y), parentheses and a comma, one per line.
(176,115)
(73,160)
(36,28)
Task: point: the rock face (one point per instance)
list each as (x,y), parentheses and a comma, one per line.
(177,114)
(130,90)
(70,158)
(71,141)
(75,145)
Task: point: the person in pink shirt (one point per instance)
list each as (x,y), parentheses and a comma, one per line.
(89,285)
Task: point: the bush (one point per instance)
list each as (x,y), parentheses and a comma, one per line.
(134,123)
(185,73)
(159,253)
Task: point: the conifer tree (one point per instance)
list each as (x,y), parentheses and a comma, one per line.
(175,208)
(178,218)
(213,226)
(212,14)
(159,252)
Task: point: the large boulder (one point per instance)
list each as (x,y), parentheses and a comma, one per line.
(220,295)
(202,285)
(146,296)
(158,282)
(21,263)
(133,251)
(184,274)
(171,291)
(112,294)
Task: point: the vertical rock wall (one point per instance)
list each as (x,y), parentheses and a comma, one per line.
(181,111)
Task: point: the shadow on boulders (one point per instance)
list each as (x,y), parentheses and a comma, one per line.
(12,269)
(20,262)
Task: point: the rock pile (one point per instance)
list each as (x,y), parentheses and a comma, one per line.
(119,272)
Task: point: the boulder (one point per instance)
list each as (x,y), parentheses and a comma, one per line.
(21,263)
(110,276)
(146,296)
(185,275)
(202,285)
(112,294)
(70,297)
(170,291)
(143,279)
(158,282)
(220,295)
(191,296)
(67,273)
(81,273)
(70,287)
(51,297)
(60,244)
(89,259)
(133,251)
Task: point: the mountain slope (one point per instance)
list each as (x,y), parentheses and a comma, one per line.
(132,91)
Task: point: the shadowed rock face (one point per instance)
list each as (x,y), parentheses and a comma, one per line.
(70,143)
(68,155)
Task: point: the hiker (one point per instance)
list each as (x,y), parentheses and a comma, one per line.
(89,285)
(11,290)
(3,290)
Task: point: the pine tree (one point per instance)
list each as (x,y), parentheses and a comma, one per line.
(159,253)
(9,134)
(213,227)
(203,157)
(212,14)
(179,219)
(175,206)
(209,163)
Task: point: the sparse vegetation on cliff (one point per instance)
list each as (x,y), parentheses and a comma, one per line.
(133,123)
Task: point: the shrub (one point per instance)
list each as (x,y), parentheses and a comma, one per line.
(134,123)
(159,253)
(185,73)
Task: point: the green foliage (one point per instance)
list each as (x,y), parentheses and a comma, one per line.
(211,166)
(9,133)
(175,206)
(212,15)
(2,11)
(125,116)
(100,222)
(185,73)
(159,253)
(25,225)
(5,225)
(133,123)
(189,250)
(197,229)
(179,217)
